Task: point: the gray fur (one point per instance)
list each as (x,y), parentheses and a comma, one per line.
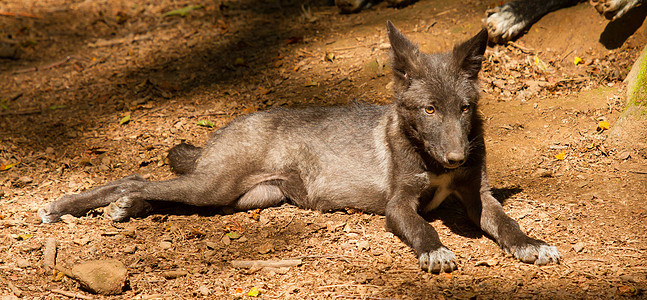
(395,160)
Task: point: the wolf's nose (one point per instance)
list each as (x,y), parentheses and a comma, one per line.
(455,158)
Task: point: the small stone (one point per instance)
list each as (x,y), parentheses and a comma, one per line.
(540,172)
(363,245)
(487,263)
(22,263)
(105,277)
(166,245)
(624,155)
(130,249)
(264,220)
(266,248)
(373,68)
(129,232)
(81,241)
(69,219)
(204,290)
(363,277)
(226,240)
(211,245)
(578,247)
(174,274)
(628,278)
(110,232)
(31,246)
(25,180)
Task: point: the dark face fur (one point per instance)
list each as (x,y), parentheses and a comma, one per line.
(437,94)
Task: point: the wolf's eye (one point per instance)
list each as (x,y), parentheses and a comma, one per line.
(430,110)
(465,108)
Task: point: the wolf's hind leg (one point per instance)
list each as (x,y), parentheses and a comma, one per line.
(79,204)
(261,196)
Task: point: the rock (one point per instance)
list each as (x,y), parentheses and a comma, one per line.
(211,245)
(266,248)
(130,232)
(69,219)
(623,155)
(174,274)
(24,180)
(578,247)
(166,245)
(130,249)
(105,277)
(629,278)
(487,263)
(363,245)
(540,172)
(204,290)
(373,68)
(22,263)
(226,240)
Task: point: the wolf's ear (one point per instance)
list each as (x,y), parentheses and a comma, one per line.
(469,55)
(404,54)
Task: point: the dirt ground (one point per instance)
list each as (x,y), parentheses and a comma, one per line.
(102,89)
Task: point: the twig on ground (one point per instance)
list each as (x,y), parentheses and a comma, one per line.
(70,294)
(24,15)
(50,66)
(341,257)
(346,285)
(247,264)
(593,259)
(522,48)
(49,254)
(21,112)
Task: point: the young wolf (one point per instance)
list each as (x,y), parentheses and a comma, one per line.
(396,160)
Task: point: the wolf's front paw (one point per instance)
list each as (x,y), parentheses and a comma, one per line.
(124,208)
(538,253)
(503,25)
(49,214)
(439,260)
(614,9)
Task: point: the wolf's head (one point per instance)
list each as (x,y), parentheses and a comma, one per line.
(436,95)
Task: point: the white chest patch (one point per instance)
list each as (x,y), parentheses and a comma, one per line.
(441,182)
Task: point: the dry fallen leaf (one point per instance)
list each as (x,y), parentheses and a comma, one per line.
(560,156)
(541,64)
(577,61)
(125,119)
(239,61)
(603,125)
(254,292)
(233,235)
(330,56)
(6,167)
(264,91)
(205,123)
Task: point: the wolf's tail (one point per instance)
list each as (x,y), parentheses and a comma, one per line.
(182,158)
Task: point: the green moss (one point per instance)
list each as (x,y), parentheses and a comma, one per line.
(638,96)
